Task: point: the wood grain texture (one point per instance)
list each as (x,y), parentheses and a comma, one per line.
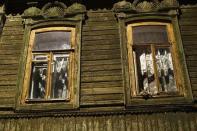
(10,51)
(101,80)
(101,75)
(188,28)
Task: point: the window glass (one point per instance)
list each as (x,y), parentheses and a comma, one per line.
(38,80)
(60,76)
(52,40)
(165,69)
(145,70)
(153,60)
(149,34)
(50,64)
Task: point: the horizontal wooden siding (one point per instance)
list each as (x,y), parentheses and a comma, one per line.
(101,75)
(188,26)
(10,51)
(144,122)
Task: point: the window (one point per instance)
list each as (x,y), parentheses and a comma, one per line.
(50,67)
(152,59)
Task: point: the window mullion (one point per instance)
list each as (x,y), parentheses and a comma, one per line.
(70,74)
(48,87)
(134,69)
(155,66)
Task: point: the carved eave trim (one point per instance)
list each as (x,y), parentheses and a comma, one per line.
(188,6)
(55,10)
(123,6)
(125,15)
(105,112)
(32,12)
(143,6)
(75,8)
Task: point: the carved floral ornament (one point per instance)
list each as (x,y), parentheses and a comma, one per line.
(144,5)
(53,10)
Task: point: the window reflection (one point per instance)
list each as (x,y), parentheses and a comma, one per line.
(49,65)
(165,70)
(146,79)
(164,81)
(60,76)
(38,80)
(154,34)
(152,58)
(48,41)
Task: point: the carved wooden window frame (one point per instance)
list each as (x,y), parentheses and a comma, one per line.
(70,51)
(132,63)
(184,87)
(63,104)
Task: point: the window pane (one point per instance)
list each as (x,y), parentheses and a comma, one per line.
(150,34)
(38,80)
(145,70)
(165,69)
(53,40)
(39,57)
(60,76)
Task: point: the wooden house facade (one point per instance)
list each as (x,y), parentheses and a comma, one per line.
(98,66)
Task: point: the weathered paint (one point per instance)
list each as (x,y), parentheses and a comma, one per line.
(175,121)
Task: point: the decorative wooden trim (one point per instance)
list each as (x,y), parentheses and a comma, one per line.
(73,102)
(29,60)
(138,6)
(179,76)
(188,6)
(131,60)
(104,111)
(187,92)
(53,10)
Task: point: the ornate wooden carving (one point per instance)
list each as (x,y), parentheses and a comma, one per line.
(32,12)
(54,10)
(75,9)
(168,3)
(123,6)
(144,6)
